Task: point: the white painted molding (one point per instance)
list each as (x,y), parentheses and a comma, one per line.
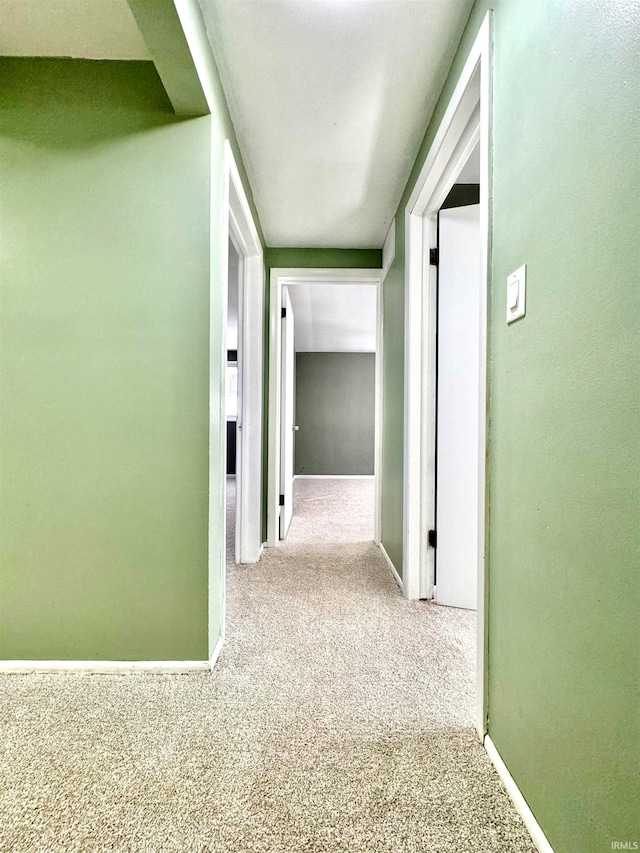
(535,830)
(216,653)
(334,477)
(103,666)
(286,277)
(392,568)
(379,410)
(389,249)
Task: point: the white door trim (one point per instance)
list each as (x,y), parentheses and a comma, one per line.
(466,120)
(237,225)
(281,277)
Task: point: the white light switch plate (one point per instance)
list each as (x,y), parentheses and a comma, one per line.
(516,286)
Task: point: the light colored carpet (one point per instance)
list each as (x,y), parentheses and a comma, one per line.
(338,719)
(231,519)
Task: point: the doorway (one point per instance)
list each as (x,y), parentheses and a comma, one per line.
(304,326)
(233,401)
(455,533)
(238,243)
(288,426)
(432,418)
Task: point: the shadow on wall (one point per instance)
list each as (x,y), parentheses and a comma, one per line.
(42,102)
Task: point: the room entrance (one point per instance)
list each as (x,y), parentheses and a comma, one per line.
(447,259)
(324,383)
(457,454)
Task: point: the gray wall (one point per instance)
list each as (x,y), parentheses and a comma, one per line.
(335,410)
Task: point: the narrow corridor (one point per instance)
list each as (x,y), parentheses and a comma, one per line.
(338,718)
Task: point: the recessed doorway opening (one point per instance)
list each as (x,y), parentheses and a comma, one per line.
(324,389)
(447,256)
(236,371)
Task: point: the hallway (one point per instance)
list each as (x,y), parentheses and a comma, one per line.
(338,718)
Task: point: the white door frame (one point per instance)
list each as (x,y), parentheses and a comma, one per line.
(238,226)
(287,416)
(465,122)
(281,277)
(238,466)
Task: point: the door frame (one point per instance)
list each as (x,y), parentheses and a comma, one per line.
(238,226)
(465,123)
(287,318)
(238,363)
(286,276)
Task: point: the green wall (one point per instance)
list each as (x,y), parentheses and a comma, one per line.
(112,318)
(321,258)
(392,480)
(564,419)
(104,317)
(335,410)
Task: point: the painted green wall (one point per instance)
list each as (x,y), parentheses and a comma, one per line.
(321,258)
(335,410)
(104,317)
(145,191)
(564,421)
(393,404)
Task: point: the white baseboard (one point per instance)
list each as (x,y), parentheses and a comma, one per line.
(103,666)
(535,830)
(335,477)
(215,654)
(390,564)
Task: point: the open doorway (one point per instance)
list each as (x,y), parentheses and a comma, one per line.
(454,535)
(236,379)
(447,255)
(233,402)
(241,414)
(324,384)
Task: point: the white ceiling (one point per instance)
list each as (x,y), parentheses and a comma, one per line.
(330,100)
(334,317)
(86,29)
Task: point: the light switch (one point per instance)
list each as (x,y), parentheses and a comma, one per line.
(514,287)
(515,293)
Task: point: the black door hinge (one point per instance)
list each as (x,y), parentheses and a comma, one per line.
(281,500)
(432,538)
(283,313)
(434,257)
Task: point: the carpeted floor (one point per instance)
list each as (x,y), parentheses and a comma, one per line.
(337,719)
